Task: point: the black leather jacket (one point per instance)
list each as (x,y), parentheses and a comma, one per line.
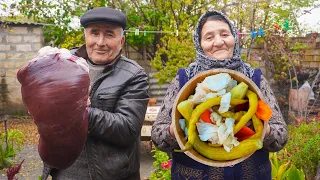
(119,100)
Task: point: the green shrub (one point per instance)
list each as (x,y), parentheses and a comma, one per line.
(163,165)
(303,148)
(7,151)
(286,171)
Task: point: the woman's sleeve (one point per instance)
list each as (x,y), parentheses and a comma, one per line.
(278,136)
(160,133)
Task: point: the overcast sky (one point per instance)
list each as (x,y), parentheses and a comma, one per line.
(312,20)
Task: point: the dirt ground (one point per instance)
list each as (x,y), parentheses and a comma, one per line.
(32,166)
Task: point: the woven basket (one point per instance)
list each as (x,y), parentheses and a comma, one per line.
(189,89)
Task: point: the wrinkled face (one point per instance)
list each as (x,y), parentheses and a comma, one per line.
(103,42)
(217,40)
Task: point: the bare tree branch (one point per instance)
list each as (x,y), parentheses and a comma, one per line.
(252,27)
(266,15)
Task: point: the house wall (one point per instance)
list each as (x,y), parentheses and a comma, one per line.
(18,44)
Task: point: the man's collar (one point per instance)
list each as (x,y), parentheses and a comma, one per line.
(82,52)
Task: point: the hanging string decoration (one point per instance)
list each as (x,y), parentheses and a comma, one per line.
(254,34)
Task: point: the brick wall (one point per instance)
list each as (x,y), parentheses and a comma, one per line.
(18,44)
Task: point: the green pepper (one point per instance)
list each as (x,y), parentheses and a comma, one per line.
(236,116)
(245,148)
(253,105)
(258,127)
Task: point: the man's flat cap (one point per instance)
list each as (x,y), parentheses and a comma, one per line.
(104,15)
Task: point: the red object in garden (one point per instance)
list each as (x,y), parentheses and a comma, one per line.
(55,91)
(299,120)
(277,26)
(12,171)
(307,11)
(166,164)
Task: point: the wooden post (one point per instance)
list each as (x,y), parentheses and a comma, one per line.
(4,118)
(6,128)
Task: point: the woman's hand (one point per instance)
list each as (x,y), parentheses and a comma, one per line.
(171,131)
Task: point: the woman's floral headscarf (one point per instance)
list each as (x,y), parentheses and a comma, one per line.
(203,62)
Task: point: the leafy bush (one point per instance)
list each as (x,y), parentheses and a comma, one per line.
(15,141)
(303,148)
(285,171)
(174,54)
(163,165)
(74,39)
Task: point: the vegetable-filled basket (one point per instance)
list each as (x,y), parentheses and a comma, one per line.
(217,120)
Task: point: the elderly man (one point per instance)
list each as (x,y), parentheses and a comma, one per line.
(119,97)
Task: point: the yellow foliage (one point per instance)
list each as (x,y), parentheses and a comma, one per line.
(73,40)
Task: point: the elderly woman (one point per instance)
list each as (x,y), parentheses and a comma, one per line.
(217,46)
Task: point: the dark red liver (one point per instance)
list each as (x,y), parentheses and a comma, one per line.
(55,92)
